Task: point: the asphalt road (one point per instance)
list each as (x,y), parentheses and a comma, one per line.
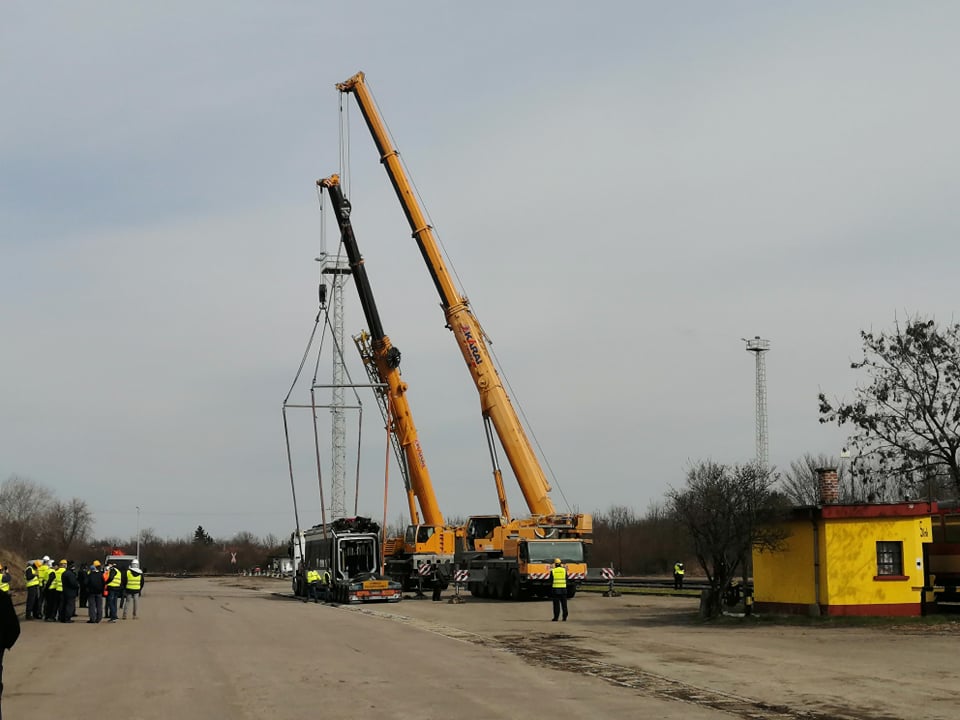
(232,649)
(238,648)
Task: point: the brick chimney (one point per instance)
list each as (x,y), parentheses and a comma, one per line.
(829,486)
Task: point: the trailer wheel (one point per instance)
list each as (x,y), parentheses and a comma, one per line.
(571,592)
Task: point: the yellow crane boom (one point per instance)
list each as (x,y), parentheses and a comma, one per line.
(494,402)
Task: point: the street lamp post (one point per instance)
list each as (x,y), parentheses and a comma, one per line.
(138,532)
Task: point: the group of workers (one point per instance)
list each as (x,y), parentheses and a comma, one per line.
(53,590)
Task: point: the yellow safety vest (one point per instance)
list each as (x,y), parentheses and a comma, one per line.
(31,577)
(4,586)
(134,579)
(559,577)
(58,579)
(116,579)
(313,576)
(678,569)
(44,572)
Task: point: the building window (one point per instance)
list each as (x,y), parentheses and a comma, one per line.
(889,558)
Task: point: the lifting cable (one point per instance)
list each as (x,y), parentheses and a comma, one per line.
(324,314)
(386,479)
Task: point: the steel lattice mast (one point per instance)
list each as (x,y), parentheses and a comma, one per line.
(337,269)
(758,347)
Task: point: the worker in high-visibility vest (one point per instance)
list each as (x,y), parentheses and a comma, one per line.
(678,572)
(31,578)
(132,587)
(114,590)
(43,572)
(54,611)
(558,589)
(325,582)
(313,585)
(5,579)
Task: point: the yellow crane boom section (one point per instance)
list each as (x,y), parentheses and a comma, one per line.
(494,401)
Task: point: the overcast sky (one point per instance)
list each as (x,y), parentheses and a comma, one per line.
(625,190)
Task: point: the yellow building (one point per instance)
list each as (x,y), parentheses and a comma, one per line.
(847,560)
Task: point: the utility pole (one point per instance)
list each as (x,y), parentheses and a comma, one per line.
(758,347)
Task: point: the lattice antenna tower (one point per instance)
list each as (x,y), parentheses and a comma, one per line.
(336,268)
(759,347)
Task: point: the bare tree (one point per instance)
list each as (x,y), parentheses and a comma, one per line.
(620,518)
(70,522)
(801,483)
(23,503)
(244,537)
(727,511)
(907,418)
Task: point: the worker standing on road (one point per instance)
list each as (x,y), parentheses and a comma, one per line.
(71,587)
(559,589)
(54,608)
(82,573)
(678,572)
(325,580)
(132,586)
(9,629)
(313,585)
(95,588)
(31,579)
(114,588)
(43,572)
(437,582)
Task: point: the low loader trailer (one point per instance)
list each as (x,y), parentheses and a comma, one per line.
(349,550)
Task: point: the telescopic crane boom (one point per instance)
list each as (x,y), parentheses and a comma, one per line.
(494,401)
(430,543)
(387,358)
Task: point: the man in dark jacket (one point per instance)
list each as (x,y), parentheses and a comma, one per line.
(71,587)
(9,630)
(82,577)
(95,593)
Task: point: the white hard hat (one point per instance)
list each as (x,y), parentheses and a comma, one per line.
(46,558)
(134,563)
